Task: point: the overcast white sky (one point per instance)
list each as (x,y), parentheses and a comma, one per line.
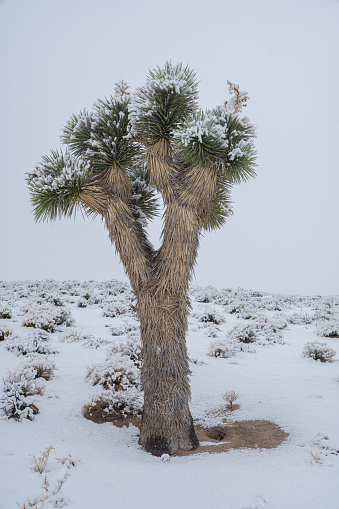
(59,56)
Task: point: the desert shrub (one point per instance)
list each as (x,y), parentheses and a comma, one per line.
(131,348)
(206,294)
(246,333)
(44,367)
(318,351)
(46,317)
(5,332)
(228,348)
(55,299)
(90,341)
(230,397)
(114,309)
(82,303)
(21,385)
(211,331)
(5,312)
(119,380)
(70,336)
(236,307)
(118,372)
(119,330)
(16,401)
(219,348)
(300,319)
(210,316)
(35,344)
(268,330)
(117,403)
(328,328)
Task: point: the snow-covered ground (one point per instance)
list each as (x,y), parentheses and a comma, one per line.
(100,465)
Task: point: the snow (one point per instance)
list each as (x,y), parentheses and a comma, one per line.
(103,466)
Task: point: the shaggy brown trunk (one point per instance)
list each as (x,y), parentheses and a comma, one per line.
(167,424)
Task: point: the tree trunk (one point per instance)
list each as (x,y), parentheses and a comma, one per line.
(167,424)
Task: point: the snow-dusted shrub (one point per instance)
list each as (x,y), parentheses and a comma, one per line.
(115,287)
(19,387)
(121,389)
(44,367)
(205,295)
(119,330)
(236,306)
(46,317)
(5,332)
(268,330)
(82,303)
(219,348)
(246,333)
(300,319)
(70,336)
(5,312)
(131,348)
(210,316)
(318,351)
(88,300)
(118,403)
(328,328)
(90,341)
(34,344)
(114,309)
(118,373)
(211,331)
(276,323)
(55,299)
(228,348)
(323,313)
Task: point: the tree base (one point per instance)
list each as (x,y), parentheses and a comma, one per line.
(170,442)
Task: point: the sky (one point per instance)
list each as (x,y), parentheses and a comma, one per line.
(59,56)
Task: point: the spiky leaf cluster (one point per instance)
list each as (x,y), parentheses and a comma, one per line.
(166,100)
(238,160)
(56,185)
(221,208)
(102,137)
(200,140)
(143,198)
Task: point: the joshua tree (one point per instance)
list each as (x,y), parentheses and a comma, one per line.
(118,159)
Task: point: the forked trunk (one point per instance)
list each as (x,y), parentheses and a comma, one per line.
(167,424)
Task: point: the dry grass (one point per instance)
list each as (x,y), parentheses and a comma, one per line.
(40,462)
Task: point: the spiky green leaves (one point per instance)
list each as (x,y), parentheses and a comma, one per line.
(166,100)
(221,208)
(238,159)
(103,137)
(143,199)
(56,185)
(200,140)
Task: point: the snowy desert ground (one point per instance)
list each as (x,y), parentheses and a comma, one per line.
(262,337)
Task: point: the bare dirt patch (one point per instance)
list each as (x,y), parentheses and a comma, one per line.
(256,434)
(237,435)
